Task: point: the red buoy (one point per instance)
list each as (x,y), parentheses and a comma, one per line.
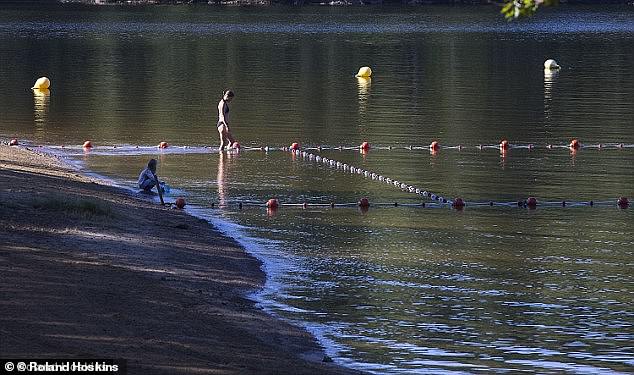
(272,203)
(365,146)
(236,145)
(623,202)
(574,144)
(531,202)
(13,142)
(458,203)
(87,144)
(364,202)
(163,145)
(434,146)
(504,145)
(294,146)
(180,202)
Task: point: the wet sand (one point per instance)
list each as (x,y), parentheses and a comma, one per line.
(90,271)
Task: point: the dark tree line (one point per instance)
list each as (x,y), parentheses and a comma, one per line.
(523,3)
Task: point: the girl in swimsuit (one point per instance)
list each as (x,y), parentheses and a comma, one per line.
(223,120)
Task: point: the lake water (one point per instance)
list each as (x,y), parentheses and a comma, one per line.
(394,289)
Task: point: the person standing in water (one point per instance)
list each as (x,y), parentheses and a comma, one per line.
(226,138)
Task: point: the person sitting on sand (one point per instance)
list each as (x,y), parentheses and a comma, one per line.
(226,138)
(148,178)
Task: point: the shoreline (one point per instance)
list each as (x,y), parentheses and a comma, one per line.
(90,270)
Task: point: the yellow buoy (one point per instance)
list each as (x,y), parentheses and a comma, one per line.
(42,83)
(364,71)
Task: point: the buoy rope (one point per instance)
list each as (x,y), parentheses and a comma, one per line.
(437,147)
(511,204)
(434,146)
(527,146)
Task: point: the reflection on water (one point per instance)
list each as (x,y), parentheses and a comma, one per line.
(41,101)
(550,76)
(225,159)
(398,289)
(364,84)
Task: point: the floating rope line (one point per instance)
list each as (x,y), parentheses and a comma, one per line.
(528,146)
(435,146)
(504,146)
(364,203)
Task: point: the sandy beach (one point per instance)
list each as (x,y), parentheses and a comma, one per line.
(90,271)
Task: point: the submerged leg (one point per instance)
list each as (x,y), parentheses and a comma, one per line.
(230,137)
(222,138)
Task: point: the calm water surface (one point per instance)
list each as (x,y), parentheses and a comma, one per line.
(394,289)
